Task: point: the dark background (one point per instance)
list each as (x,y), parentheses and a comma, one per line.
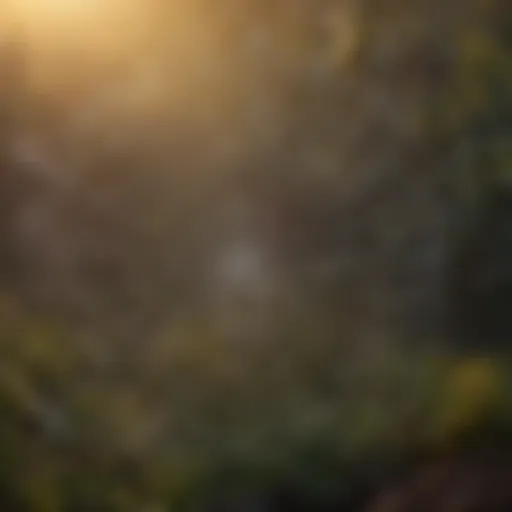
(256,256)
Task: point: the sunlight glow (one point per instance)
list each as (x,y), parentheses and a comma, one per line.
(112,65)
(68,23)
(57,11)
(63,38)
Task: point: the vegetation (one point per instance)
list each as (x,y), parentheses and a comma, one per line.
(259,257)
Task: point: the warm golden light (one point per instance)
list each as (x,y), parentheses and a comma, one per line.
(121,59)
(71,23)
(58,11)
(57,7)
(110,61)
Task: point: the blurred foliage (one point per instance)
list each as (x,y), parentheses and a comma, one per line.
(133,377)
